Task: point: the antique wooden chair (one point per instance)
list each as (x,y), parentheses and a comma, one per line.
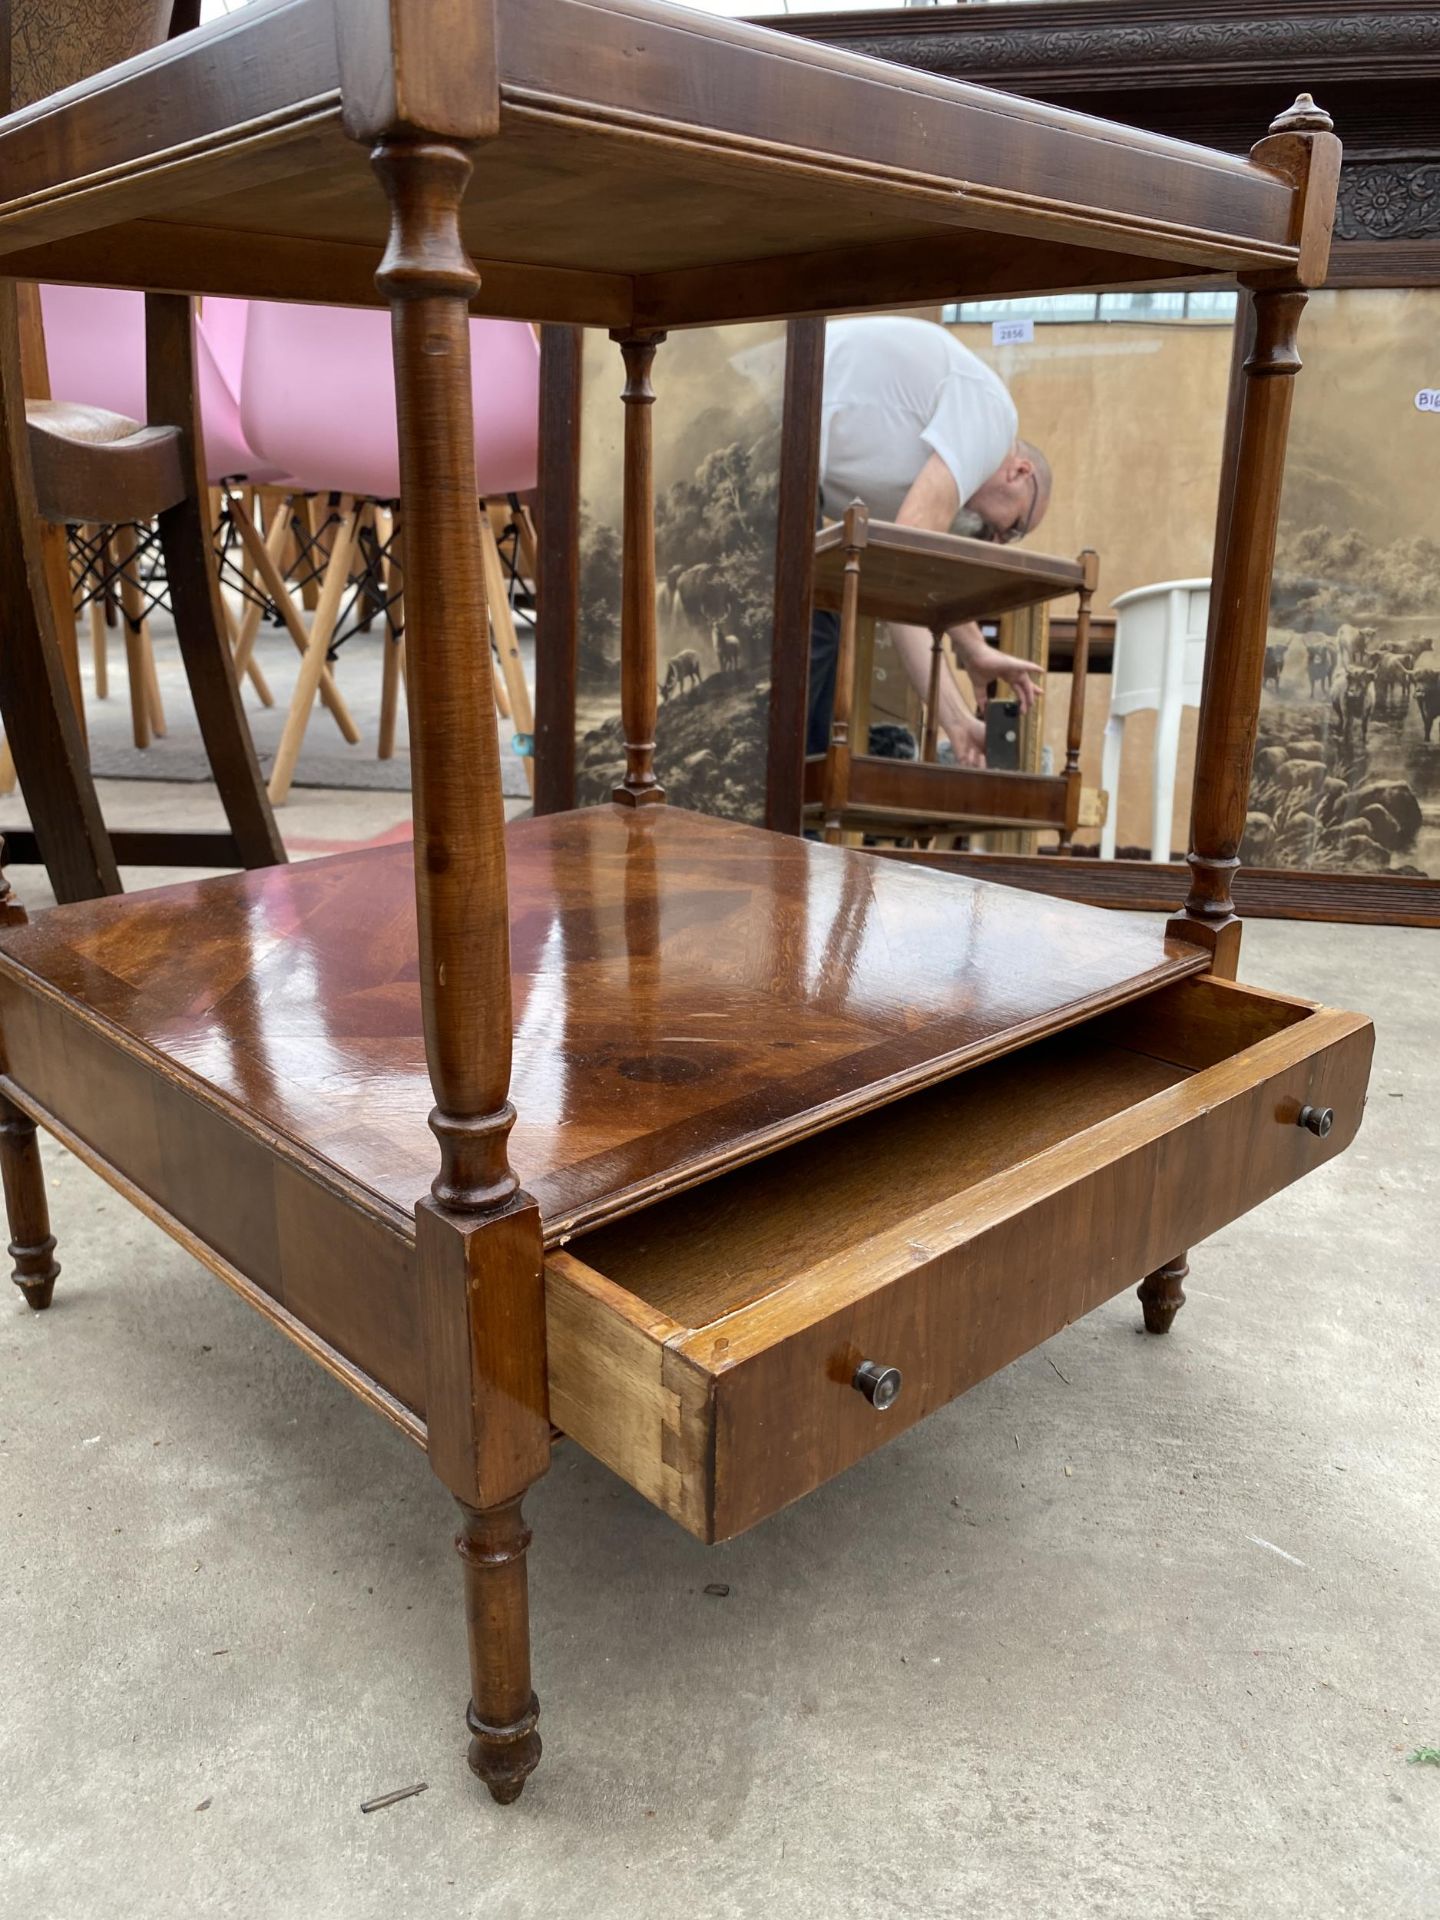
(803,1142)
(66,464)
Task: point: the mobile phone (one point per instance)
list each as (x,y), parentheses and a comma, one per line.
(1002,734)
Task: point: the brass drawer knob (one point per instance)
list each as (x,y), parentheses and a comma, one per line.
(1316,1120)
(880,1385)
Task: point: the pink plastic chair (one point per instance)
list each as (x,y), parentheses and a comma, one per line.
(317,398)
(95,350)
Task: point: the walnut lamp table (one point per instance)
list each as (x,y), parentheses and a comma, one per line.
(675,1069)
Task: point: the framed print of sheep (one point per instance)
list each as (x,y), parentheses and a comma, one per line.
(1347,771)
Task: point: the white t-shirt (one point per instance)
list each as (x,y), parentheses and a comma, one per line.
(896,391)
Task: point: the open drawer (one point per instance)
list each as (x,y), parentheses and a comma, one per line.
(706,1348)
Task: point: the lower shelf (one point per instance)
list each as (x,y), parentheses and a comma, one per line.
(894,794)
(706,1349)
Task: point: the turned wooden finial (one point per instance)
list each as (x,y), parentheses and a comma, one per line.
(1303,117)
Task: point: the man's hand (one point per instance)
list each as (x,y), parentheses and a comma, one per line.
(967,737)
(985,663)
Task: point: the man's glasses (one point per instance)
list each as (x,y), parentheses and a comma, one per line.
(1005,536)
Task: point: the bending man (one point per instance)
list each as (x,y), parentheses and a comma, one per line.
(925,434)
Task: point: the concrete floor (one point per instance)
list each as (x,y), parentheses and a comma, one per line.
(1152,1639)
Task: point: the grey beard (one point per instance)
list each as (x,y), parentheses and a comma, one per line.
(968,522)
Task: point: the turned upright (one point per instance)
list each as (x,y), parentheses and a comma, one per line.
(477,1235)
(1301,147)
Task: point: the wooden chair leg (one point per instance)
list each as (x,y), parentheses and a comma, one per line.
(252,668)
(1161,1295)
(389,697)
(55,549)
(134,632)
(507,646)
(312,666)
(152,685)
(32,1245)
(393,665)
(195,592)
(529,547)
(250,603)
(503,1711)
(146,710)
(310,590)
(99,638)
(264,553)
(276,538)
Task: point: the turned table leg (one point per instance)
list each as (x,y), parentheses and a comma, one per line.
(32,1245)
(479,1244)
(503,1710)
(1161,1295)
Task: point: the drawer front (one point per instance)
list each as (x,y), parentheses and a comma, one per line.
(953,1294)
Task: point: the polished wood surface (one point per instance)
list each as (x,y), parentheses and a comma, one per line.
(939,579)
(688,993)
(621,189)
(707,1349)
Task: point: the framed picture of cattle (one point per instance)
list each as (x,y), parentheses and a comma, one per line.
(1347,771)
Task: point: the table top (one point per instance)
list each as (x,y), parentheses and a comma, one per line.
(689,994)
(939,579)
(635,164)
